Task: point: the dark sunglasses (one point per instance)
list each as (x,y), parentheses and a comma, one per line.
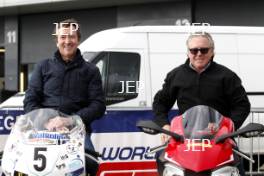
(194,51)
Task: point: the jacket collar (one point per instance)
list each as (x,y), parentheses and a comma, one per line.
(208,66)
(75,61)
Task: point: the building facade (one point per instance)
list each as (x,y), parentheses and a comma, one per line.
(26,27)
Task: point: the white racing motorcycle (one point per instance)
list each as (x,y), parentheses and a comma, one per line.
(33,150)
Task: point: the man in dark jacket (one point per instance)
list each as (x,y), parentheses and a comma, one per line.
(67,83)
(201,81)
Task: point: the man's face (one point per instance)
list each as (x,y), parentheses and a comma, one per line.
(67,43)
(199,57)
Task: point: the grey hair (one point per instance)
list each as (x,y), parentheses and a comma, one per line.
(201,34)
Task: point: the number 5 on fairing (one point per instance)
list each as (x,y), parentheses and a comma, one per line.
(40,157)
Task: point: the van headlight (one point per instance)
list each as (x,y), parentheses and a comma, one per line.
(226,171)
(172,170)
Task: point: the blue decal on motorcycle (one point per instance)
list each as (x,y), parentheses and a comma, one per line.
(75,164)
(76,172)
(49,135)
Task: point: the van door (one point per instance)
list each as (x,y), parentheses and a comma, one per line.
(115,135)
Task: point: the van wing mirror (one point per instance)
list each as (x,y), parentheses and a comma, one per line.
(250,130)
(151,127)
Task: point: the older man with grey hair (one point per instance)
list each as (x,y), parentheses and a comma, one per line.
(201,81)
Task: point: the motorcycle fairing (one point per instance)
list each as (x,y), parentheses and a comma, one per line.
(199,152)
(32,150)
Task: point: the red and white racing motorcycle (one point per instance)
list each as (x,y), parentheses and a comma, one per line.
(201,143)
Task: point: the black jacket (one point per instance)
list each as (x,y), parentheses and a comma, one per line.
(217,87)
(74,87)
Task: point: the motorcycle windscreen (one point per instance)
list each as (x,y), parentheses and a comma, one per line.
(201,122)
(32,127)
(200,125)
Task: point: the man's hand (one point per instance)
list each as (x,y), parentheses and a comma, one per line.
(58,124)
(164,137)
(212,127)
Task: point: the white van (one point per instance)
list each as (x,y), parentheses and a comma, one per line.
(134,61)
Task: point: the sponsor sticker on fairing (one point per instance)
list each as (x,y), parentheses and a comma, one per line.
(48,137)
